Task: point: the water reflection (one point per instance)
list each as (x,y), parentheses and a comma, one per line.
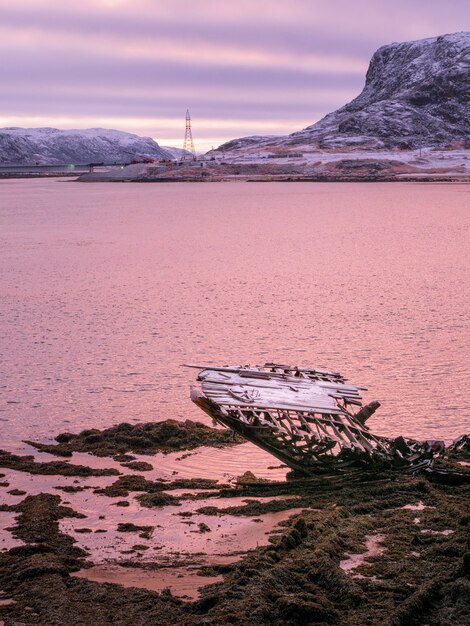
(107,289)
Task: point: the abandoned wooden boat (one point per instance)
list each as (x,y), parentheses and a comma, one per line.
(310,419)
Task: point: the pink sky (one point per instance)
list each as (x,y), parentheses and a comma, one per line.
(242,67)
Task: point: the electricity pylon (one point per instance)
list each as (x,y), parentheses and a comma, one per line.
(188,144)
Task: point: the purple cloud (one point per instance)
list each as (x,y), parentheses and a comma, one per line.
(238,66)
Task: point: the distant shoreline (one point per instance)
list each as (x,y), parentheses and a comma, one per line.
(271,179)
(17,175)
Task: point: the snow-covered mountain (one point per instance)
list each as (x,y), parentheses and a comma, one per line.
(178,153)
(51,146)
(416,94)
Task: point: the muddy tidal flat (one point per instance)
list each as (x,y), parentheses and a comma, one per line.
(370,548)
(120,504)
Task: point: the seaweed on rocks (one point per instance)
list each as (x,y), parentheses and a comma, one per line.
(145,532)
(134,482)
(154,492)
(47,548)
(157,499)
(37,578)
(72,488)
(167,436)
(123,458)
(255,507)
(418,578)
(49,448)
(138,466)
(28,464)
(298,579)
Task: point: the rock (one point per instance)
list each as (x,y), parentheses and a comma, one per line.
(247,477)
(204,528)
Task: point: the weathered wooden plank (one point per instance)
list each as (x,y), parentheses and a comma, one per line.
(301,415)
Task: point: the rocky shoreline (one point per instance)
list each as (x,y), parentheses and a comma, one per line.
(334,165)
(364,549)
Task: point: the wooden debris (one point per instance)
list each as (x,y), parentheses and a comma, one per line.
(310,419)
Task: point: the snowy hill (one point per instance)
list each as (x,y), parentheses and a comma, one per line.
(177,153)
(51,146)
(416,94)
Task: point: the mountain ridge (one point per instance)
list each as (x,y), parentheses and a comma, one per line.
(53,146)
(416,93)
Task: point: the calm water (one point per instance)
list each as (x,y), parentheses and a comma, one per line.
(107,288)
